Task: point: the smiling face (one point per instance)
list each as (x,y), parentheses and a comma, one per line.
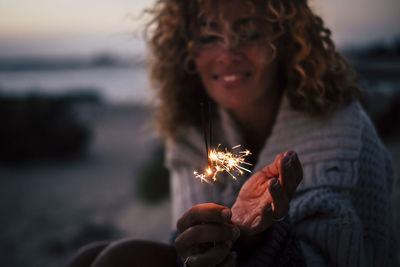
(233,57)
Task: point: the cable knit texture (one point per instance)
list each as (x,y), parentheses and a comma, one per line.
(341,211)
(279,247)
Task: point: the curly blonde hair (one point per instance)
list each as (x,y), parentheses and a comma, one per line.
(317,78)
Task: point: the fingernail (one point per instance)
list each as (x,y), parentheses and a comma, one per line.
(285,160)
(226,215)
(288,161)
(234,255)
(235,232)
(292,156)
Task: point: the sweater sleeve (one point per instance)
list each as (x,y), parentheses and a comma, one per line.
(186,191)
(183,156)
(278,247)
(331,233)
(349,224)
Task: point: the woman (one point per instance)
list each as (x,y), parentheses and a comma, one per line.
(276,84)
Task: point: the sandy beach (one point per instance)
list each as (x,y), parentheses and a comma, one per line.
(49,209)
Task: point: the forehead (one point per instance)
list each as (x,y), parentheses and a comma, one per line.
(228,11)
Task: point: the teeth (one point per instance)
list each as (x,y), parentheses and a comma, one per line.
(230,78)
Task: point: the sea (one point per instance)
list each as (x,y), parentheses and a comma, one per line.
(117,82)
(120,84)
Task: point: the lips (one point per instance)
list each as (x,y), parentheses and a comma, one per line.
(231,77)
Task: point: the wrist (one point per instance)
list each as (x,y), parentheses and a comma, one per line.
(250,240)
(272,239)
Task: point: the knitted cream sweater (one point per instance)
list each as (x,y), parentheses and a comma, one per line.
(341,211)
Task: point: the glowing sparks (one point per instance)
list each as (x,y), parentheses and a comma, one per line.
(220,161)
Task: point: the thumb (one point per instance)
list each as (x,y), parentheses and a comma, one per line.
(273,169)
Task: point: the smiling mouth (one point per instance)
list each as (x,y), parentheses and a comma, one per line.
(230,78)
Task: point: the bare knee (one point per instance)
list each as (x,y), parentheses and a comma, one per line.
(87,254)
(129,252)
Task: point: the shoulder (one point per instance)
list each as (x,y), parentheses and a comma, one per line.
(375,161)
(328,146)
(371,142)
(187,148)
(345,149)
(337,146)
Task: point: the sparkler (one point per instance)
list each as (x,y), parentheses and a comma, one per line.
(220,160)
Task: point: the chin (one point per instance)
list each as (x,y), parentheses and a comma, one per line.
(236,104)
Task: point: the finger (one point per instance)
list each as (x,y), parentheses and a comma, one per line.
(263,221)
(294,164)
(230,260)
(280,200)
(298,169)
(291,172)
(206,233)
(272,169)
(203,213)
(213,257)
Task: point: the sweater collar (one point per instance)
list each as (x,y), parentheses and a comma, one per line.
(331,138)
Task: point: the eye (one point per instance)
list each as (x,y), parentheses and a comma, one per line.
(207,39)
(254,37)
(251,37)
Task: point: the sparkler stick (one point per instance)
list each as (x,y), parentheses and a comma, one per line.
(209,123)
(206,117)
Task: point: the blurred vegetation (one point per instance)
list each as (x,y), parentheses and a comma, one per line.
(384,111)
(377,65)
(152,183)
(379,49)
(39,126)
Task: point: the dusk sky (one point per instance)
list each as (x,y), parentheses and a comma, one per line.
(89,26)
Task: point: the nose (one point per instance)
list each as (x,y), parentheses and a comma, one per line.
(229,54)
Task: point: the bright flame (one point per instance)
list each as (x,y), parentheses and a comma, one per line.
(220,161)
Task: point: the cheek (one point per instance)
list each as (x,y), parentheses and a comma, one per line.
(204,65)
(263,63)
(203,62)
(261,57)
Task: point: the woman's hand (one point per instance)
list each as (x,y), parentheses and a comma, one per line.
(206,235)
(265,196)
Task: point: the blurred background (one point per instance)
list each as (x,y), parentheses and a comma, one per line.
(78,161)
